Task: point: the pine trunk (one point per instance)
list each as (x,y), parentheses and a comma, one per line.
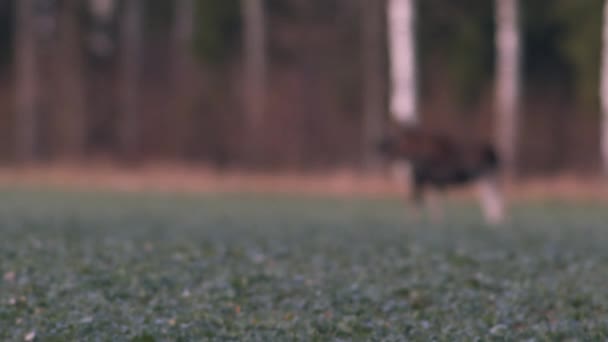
(129,130)
(26,83)
(255,74)
(373,84)
(604,92)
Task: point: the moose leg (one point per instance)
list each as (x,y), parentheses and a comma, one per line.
(417,200)
(491,199)
(434,206)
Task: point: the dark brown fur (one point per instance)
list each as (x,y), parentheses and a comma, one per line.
(438,161)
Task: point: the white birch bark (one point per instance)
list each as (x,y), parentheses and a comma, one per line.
(508,81)
(402,46)
(401,20)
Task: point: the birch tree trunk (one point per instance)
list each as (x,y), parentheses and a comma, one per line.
(254,71)
(26,120)
(507,82)
(402,46)
(131,35)
(401,18)
(373,84)
(604,92)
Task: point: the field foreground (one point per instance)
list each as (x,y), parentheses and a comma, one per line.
(144,267)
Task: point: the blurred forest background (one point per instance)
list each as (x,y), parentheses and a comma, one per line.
(158,80)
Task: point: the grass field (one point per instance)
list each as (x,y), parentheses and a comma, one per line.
(122,267)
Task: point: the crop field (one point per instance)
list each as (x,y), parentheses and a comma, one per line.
(78,266)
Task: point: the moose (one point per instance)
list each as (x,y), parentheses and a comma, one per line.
(438,162)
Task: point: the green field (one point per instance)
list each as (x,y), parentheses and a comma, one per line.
(121,267)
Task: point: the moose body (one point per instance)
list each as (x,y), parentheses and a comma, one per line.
(440,162)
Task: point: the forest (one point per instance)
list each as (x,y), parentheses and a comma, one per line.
(182,73)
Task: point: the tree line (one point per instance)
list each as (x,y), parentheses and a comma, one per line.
(284,83)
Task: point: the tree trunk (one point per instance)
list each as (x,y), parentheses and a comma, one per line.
(255,72)
(604,92)
(373,83)
(99,38)
(69,75)
(507,82)
(130,64)
(183,67)
(402,39)
(26,120)
(404,93)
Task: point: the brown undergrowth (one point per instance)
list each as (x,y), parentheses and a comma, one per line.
(170,178)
